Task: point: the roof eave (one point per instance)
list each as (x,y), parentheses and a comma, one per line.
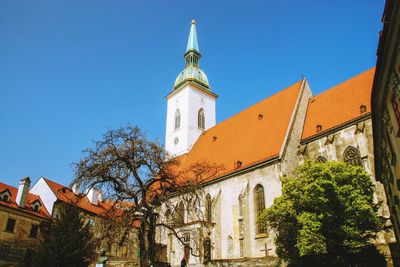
(336,128)
(194,83)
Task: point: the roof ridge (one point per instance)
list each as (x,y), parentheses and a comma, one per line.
(344,82)
(51,181)
(347,97)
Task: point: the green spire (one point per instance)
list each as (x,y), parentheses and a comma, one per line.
(192,42)
(192,71)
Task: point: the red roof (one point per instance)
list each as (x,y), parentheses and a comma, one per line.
(43,213)
(252,136)
(339,105)
(66,195)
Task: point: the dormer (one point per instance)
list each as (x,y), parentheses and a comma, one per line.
(36,205)
(5,195)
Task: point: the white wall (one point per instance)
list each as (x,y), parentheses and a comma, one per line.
(227,194)
(189,100)
(46,194)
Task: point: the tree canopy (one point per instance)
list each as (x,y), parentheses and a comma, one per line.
(326,212)
(138,175)
(67,241)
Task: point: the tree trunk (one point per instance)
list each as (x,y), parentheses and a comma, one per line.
(144,258)
(151,237)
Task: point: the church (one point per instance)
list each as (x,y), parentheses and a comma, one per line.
(257,148)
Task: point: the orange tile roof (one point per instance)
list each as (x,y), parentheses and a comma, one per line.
(339,104)
(66,195)
(106,208)
(245,137)
(43,213)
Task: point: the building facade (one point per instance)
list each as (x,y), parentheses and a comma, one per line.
(21,214)
(386,112)
(94,211)
(256,148)
(24,209)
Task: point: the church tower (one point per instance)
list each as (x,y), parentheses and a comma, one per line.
(191,104)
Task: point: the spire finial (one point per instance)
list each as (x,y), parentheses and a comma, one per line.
(192,42)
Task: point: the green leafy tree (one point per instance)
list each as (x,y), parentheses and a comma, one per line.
(67,241)
(326,215)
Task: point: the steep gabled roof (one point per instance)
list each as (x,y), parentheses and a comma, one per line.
(339,105)
(252,136)
(66,195)
(43,213)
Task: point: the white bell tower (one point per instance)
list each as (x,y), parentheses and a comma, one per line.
(191,104)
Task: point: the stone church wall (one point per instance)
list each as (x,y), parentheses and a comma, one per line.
(225,229)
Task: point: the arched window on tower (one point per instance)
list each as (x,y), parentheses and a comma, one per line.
(177,119)
(208,208)
(201,119)
(259,204)
(352,156)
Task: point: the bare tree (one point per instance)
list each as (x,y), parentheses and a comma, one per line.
(138,176)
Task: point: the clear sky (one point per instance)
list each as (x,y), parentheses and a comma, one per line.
(70,69)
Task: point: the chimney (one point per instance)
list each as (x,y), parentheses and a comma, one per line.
(75,188)
(93,195)
(23,189)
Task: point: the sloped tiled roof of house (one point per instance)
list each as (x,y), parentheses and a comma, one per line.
(66,195)
(339,105)
(106,208)
(252,136)
(43,213)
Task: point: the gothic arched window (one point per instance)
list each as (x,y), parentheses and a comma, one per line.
(177,119)
(320,159)
(208,208)
(180,214)
(240,206)
(259,204)
(168,216)
(201,119)
(352,156)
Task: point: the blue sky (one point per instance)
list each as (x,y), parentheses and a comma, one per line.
(70,69)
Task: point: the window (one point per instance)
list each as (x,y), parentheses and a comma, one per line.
(10,225)
(363,109)
(201,120)
(208,208)
(180,214)
(90,222)
(320,159)
(36,206)
(186,239)
(5,195)
(177,119)
(396,108)
(34,231)
(352,156)
(240,206)
(238,164)
(5,198)
(168,216)
(259,204)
